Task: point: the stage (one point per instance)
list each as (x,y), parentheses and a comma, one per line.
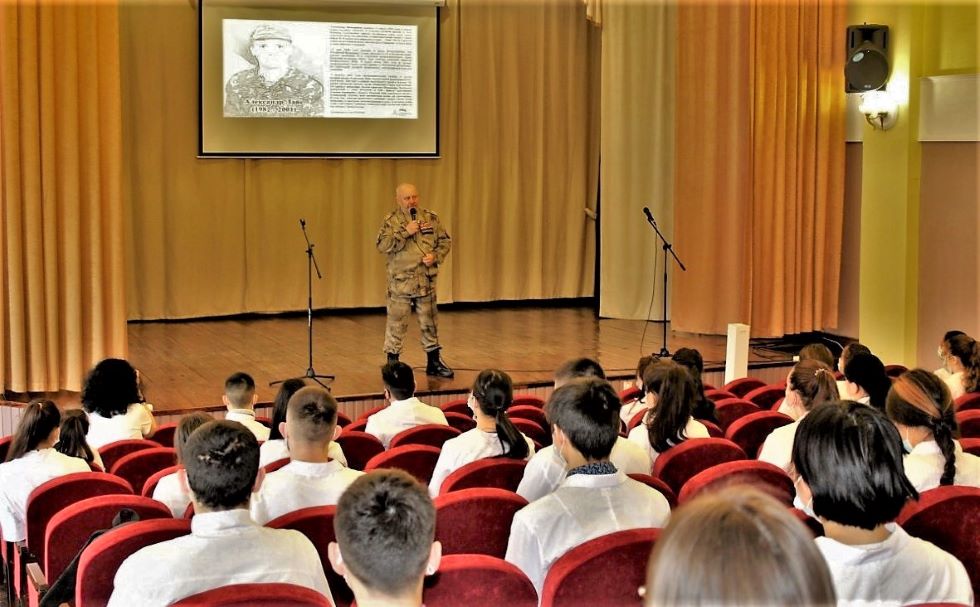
(184,364)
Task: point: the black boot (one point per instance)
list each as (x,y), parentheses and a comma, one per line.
(392,357)
(436,367)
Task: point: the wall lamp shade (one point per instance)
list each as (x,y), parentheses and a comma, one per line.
(880,109)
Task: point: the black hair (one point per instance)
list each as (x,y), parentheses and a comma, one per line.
(814,382)
(399,380)
(919,399)
(385,526)
(850,455)
(850,351)
(239,389)
(185,427)
(286,390)
(579,367)
(493,391)
(690,359)
(222,461)
(966,349)
(315,411)
(867,371)
(818,352)
(586,410)
(71,439)
(951,334)
(110,388)
(38,421)
(674,389)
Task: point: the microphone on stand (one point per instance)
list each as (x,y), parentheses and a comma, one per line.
(646,211)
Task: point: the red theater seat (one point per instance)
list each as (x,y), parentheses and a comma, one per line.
(659,485)
(968,402)
(363,416)
(528,399)
(532,430)
(113,452)
(343,420)
(731,409)
(717,395)
(971,445)
(742,386)
(478,580)
(460,421)
(476,521)
(491,472)
(714,431)
(751,431)
(140,465)
(275,465)
(165,434)
(317,525)
(359,447)
(535,414)
(969,423)
(355,426)
(417,460)
(761,475)
(606,571)
(895,370)
(678,464)
(766,396)
(459,405)
(630,394)
(247,595)
(433,435)
(151,483)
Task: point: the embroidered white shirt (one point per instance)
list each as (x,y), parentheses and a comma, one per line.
(924,466)
(134,423)
(546,470)
(639,435)
(223,548)
(902,570)
(246,418)
(402,415)
(23,475)
(276,449)
(300,485)
(466,448)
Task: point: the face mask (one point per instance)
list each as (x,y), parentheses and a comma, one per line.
(807,508)
(906,443)
(559,456)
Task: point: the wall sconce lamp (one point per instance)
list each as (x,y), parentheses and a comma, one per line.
(880,109)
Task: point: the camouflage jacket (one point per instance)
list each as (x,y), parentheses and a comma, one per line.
(294,95)
(407,275)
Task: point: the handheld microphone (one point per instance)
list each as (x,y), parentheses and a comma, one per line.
(413,212)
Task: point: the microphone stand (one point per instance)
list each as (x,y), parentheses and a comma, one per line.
(667,247)
(311,265)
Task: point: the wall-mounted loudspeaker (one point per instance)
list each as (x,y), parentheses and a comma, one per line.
(867,58)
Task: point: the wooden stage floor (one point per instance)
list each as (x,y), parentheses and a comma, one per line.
(184,364)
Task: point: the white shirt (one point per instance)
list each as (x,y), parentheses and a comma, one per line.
(134,423)
(584,507)
(546,470)
(955,383)
(300,485)
(902,570)
(402,415)
(23,475)
(276,449)
(466,448)
(171,493)
(223,548)
(640,436)
(924,466)
(778,446)
(246,417)
(629,410)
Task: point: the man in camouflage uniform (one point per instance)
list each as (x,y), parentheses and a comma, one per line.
(272,88)
(415,248)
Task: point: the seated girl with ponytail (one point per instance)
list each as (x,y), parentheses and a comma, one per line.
(865,380)
(669,422)
(494,436)
(31,462)
(809,384)
(921,407)
(961,359)
(71,442)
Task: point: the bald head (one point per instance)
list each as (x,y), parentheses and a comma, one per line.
(407,196)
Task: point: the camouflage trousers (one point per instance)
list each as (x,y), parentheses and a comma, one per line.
(399,309)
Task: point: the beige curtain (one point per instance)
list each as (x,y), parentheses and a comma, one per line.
(760,184)
(62,306)
(637,155)
(212,237)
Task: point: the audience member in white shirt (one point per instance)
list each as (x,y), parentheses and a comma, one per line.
(170,490)
(385,544)
(691,359)
(225,546)
(865,381)
(671,395)
(850,350)
(631,408)
(275,448)
(404,411)
(809,384)
(72,438)
(31,462)
(921,407)
(737,546)
(311,478)
(240,399)
(494,435)
(595,498)
(112,398)
(848,458)
(961,358)
(943,373)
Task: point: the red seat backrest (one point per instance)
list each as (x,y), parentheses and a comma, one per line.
(750,431)
(359,447)
(433,435)
(766,396)
(969,423)
(677,464)
(535,414)
(630,394)
(164,434)
(714,431)
(478,579)
(971,445)
(356,426)
(343,420)
(68,530)
(460,421)
(491,472)
(947,516)
(459,405)
(605,571)
(717,395)
(101,559)
(138,466)
(895,370)
(742,386)
(476,521)
(636,420)
(417,460)
(51,497)
(532,430)
(5,447)
(764,476)
(528,399)
(275,465)
(246,595)
(968,402)
(317,525)
(151,483)
(655,483)
(114,451)
(363,416)
(731,409)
